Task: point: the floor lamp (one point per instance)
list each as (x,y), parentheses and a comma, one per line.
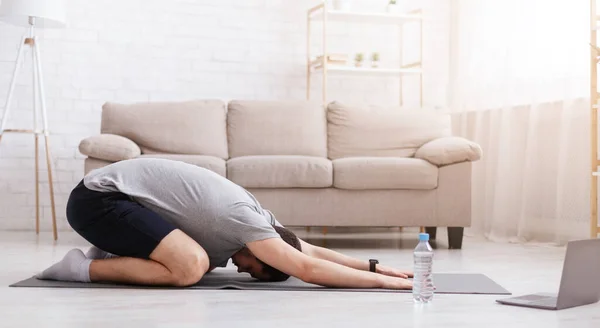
(33,14)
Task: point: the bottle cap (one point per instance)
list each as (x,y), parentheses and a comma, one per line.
(423,237)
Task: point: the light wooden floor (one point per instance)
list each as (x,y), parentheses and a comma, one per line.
(520,269)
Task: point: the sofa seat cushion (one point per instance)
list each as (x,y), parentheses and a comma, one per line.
(280,171)
(364,173)
(212,163)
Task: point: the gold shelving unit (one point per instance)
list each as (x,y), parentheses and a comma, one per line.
(319,64)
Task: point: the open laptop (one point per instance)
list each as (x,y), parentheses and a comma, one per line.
(579,284)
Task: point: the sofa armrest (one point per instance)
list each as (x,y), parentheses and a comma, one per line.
(449,150)
(109,147)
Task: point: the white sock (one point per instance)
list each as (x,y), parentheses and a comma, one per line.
(96,253)
(73,267)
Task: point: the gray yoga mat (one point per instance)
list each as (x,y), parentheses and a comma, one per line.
(446,283)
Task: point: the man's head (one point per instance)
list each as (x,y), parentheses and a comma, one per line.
(247,262)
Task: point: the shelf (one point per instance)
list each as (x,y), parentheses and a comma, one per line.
(346,67)
(338,69)
(319,60)
(372,18)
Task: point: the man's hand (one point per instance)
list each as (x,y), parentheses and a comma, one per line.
(396,283)
(387,271)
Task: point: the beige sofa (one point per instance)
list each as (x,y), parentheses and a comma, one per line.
(342,165)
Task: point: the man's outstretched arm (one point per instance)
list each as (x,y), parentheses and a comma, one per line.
(333,256)
(280,255)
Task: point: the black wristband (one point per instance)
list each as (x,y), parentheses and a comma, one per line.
(372,264)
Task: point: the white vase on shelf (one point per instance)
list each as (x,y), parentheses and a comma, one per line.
(375,60)
(341,5)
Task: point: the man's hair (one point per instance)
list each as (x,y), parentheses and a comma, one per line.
(290,238)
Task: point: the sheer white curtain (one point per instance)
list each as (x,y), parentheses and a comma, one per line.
(519,86)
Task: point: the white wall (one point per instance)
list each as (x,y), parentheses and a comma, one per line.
(150,50)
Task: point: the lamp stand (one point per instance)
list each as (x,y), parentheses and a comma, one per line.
(30,40)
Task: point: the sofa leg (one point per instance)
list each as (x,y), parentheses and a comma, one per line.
(432,231)
(455,237)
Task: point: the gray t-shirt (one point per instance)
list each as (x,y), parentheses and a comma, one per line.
(218,214)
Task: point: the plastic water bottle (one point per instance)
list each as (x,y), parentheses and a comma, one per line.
(423,288)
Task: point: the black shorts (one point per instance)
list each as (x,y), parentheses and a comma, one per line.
(115,223)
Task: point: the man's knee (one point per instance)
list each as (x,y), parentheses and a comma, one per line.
(183,257)
(190,272)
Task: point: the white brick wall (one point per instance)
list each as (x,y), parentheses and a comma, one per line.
(150,50)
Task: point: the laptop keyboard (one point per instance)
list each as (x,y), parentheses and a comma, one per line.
(533,298)
(536,299)
(547,302)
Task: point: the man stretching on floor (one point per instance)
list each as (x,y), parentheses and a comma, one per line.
(163,222)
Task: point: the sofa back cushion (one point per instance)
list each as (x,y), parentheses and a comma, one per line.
(381,132)
(192,127)
(276,128)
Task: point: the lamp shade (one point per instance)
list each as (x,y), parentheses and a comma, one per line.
(47,13)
